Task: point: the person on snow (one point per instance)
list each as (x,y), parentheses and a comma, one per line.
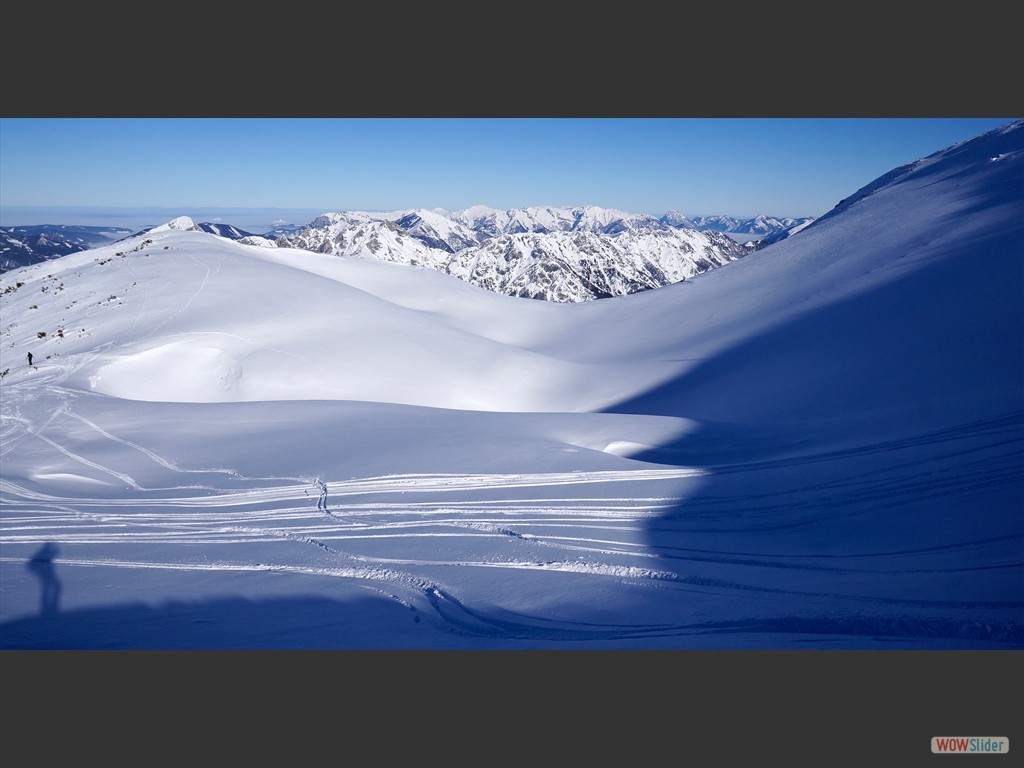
(30,359)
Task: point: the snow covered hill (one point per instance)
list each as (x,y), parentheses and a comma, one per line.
(219,444)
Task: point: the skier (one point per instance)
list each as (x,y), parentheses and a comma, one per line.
(322,502)
(29,359)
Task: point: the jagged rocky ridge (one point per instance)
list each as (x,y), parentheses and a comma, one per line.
(560,254)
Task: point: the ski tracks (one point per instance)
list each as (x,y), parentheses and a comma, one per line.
(419,537)
(365,535)
(192,298)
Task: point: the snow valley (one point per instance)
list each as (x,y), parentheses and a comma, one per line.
(230,444)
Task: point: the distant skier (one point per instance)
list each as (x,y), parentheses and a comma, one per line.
(29,359)
(321,503)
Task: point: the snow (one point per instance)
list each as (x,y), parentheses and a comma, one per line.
(257,240)
(184,223)
(227,445)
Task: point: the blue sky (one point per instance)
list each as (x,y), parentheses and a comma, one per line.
(224,167)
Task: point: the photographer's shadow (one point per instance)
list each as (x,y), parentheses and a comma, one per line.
(41,565)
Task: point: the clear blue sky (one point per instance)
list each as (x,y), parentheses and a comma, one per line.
(735,166)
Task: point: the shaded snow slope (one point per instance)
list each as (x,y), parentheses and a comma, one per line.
(222,445)
(901,306)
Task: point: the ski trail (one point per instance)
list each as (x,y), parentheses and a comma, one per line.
(130,482)
(155,457)
(336,571)
(65,410)
(20,394)
(460,482)
(28,426)
(142,304)
(374,530)
(191,299)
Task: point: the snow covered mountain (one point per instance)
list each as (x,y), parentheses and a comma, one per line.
(581,265)
(280,229)
(555,254)
(782,234)
(223,230)
(490,222)
(219,444)
(437,231)
(21,246)
(677,220)
(556,268)
(757,227)
(353,233)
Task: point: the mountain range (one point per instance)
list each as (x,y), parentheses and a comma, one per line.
(562,254)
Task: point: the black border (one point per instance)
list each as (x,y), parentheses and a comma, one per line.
(832,708)
(519,60)
(690,707)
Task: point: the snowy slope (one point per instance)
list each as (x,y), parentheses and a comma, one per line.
(222,445)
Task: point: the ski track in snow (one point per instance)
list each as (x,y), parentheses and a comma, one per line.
(285,515)
(587,530)
(191,299)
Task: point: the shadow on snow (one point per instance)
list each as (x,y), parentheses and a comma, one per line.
(866,472)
